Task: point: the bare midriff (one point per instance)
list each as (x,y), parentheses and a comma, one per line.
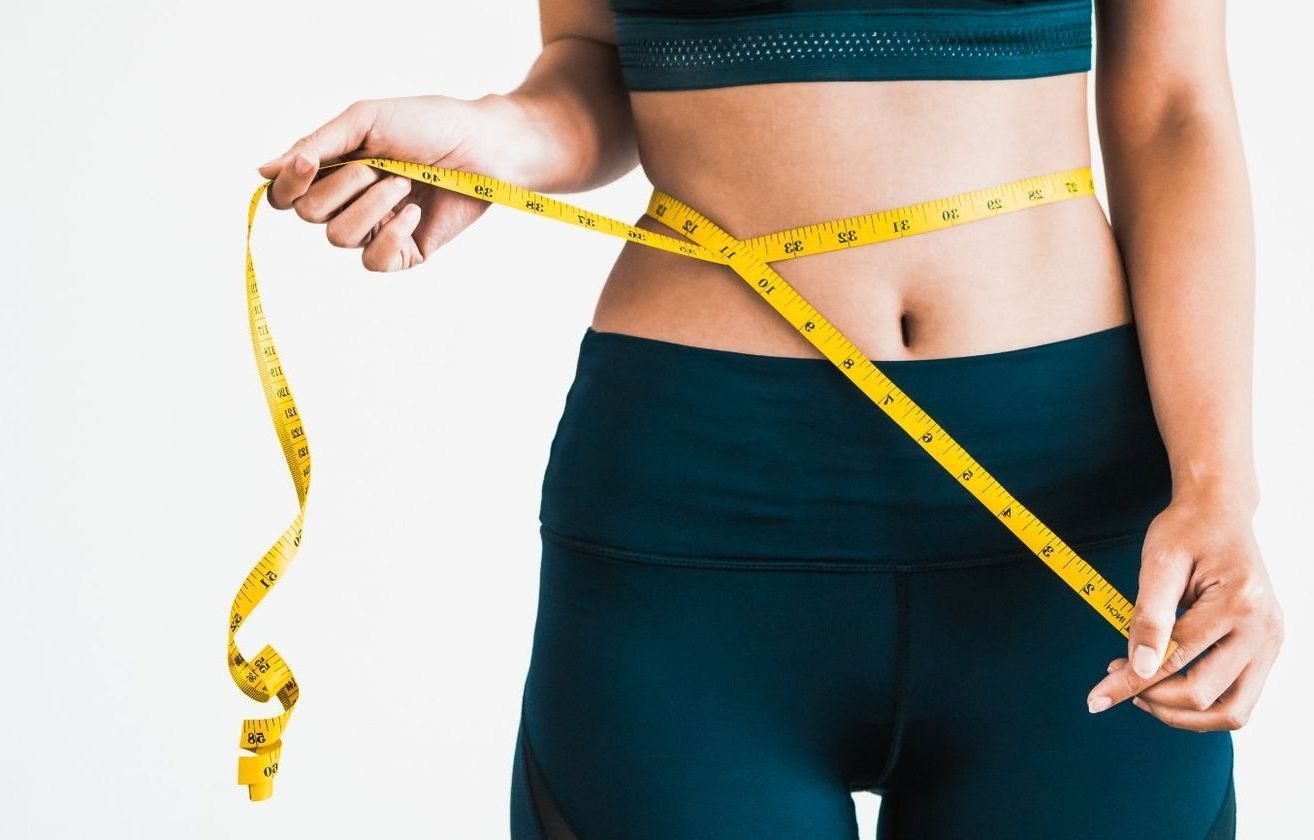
(761,158)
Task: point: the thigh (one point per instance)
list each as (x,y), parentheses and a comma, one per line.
(674,702)
(998,742)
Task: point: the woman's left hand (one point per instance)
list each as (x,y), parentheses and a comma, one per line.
(1201,555)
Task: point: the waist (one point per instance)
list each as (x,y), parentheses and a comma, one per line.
(1028,277)
(762,158)
(676,451)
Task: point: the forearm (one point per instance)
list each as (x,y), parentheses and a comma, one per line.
(1179,203)
(579,132)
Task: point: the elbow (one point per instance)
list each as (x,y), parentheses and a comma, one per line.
(1133,127)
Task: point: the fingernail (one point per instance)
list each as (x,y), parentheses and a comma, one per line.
(302,165)
(1140,704)
(1145,661)
(1114,666)
(270,162)
(1098,703)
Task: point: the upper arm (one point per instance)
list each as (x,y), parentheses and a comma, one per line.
(589,19)
(1158,64)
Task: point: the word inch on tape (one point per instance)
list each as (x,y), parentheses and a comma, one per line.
(268,675)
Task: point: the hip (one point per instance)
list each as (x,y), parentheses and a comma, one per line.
(668,451)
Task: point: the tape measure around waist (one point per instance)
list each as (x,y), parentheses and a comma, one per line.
(267,675)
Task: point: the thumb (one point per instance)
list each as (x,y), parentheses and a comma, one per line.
(335,138)
(1163,579)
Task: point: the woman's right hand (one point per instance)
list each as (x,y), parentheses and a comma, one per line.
(396,221)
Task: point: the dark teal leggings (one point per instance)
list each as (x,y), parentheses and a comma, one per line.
(758,596)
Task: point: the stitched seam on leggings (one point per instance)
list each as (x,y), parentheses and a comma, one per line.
(534,807)
(901,680)
(609,552)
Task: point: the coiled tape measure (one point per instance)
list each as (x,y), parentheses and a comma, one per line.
(267,675)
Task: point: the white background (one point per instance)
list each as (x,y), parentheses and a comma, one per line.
(141,478)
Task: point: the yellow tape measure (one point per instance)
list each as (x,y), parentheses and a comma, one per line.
(268,675)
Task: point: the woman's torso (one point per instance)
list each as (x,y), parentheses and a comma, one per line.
(764,157)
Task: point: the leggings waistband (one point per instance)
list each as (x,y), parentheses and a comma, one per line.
(676,453)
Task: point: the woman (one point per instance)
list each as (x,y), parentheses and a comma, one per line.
(757,595)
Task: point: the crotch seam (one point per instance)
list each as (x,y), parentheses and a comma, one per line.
(901,680)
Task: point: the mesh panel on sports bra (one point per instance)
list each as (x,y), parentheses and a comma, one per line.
(682,44)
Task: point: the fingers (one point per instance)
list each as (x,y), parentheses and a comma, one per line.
(447,214)
(336,188)
(1198,628)
(337,137)
(364,216)
(1205,681)
(1230,712)
(292,181)
(393,248)
(1163,579)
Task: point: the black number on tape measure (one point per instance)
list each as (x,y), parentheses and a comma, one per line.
(809,327)
(765,285)
(1071,185)
(901,226)
(1035,195)
(270,578)
(586,221)
(536,206)
(728,255)
(927,437)
(261,665)
(272,769)
(846,364)
(950,214)
(638,235)
(1047,551)
(276,371)
(1006,512)
(848,236)
(255,737)
(481,190)
(889,398)
(236,622)
(661,210)
(290,412)
(431,177)
(994,204)
(1087,589)
(965,475)
(689,226)
(795,247)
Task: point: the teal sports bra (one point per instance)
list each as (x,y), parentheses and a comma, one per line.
(685,44)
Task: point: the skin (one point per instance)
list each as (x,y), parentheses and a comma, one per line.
(760,158)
